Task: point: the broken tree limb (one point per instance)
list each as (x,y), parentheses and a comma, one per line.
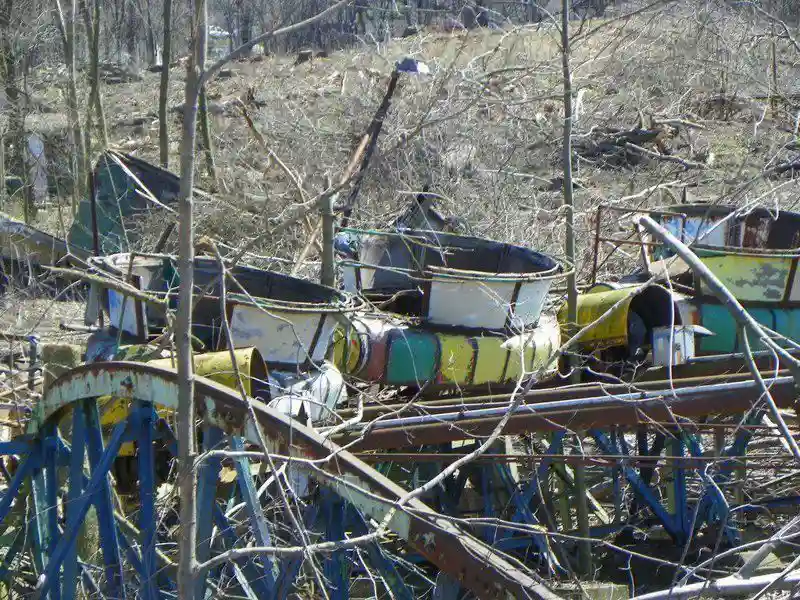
(739,314)
(688,164)
(748,569)
(727,586)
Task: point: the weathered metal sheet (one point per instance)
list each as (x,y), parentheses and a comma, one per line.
(289,320)
(27,244)
(750,278)
(458,354)
(465,281)
(413,357)
(282,337)
(474,564)
(125,188)
(471,303)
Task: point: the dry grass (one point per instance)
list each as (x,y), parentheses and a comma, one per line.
(483,130)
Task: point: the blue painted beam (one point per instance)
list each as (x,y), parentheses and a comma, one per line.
(207,480)
(16,447)
(525,513)
(258,520)
(23,472)
(102,492)
(254,576)
(147,510)
(290,566)
(382,563)
(50,444)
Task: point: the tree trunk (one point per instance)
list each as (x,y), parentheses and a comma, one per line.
(16,119)
(163,95)
(151,36)
(92,23)
(584,548)
(67,31)
(187,439)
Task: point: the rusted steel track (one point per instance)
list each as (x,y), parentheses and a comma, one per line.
(686,375)
(475,565)
(578,413)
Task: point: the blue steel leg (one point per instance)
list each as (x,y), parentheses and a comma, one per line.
(255,511)
(23,472)
(525,514)
(682,512)
(616,477)
(641,489)
(336,564)
(532,489)
(254,576)
(206,499)
(38,522)
(77,454)
(446,588)
(484,472)
(147,510)
(102,496)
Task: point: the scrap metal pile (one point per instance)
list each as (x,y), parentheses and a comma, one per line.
(419,419)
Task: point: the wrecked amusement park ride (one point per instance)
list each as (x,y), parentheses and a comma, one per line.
(754,253)
(410,368)
(103,224)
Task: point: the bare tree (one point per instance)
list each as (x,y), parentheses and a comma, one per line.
(92,23)
(66,29)
(163,92)
(187,442)
(16,132)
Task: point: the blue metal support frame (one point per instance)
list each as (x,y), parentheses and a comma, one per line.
(102,492)
(23,472)
(255,576)
(682,512)
(524,514)
(207,480)
(290,566)
(378,559)
(641,489)
(98,481)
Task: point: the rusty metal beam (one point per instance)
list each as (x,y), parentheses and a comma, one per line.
(588,412)
(475,565)
(685,376)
